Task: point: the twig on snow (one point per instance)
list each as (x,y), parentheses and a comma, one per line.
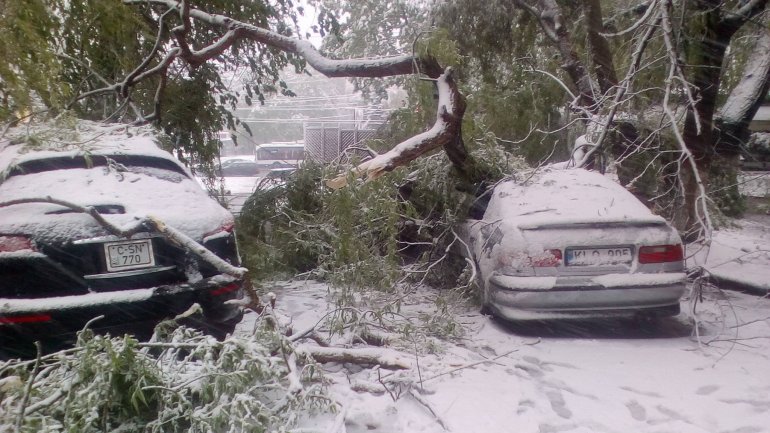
(418,398)
(385,358)
(28,390)
(473,364)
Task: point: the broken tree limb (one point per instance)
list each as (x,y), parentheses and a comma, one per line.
(451,107)
(235,30)
(732,121)
(385,358)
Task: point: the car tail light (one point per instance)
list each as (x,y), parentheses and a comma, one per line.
(549,258)
(10,243)
(227,227)
(225,289)
(661,254)
(31,318)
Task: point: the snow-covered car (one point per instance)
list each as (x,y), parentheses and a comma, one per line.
(569,243)
(60,268)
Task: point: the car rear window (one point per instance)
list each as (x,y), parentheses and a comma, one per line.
(68,162)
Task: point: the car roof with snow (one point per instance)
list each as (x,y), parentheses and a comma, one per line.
(124,176)
(555,197)
(89,139)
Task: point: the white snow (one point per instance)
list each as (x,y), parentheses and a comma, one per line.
(754,183)
(578,377)
(172,197)
(739,254)
(10,306)
(566,196)
(88,138)
(526,283)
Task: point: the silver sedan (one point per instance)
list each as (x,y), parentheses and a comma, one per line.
(571,243)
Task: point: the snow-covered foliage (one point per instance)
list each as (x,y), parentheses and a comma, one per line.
(180,381)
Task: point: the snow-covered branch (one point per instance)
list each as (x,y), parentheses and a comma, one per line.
(746,96)
(385,358)
(236,30)
(451,108)
(148,223)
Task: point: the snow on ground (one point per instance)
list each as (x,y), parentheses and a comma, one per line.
(740,254)
(596,376)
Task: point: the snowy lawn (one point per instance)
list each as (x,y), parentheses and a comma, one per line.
(740,254)
(600,376)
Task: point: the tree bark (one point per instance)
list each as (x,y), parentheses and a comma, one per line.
(601,56)
(549,15)
(715,28)
(732,121)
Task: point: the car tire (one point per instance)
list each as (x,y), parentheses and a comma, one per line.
(486,310)
(486,307)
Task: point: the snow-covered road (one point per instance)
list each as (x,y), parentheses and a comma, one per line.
(616,376)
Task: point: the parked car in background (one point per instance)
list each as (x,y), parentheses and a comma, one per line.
(59,268)
(573,243)
(239,168)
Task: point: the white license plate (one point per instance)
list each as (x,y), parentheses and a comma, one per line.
(598,256)
(122,256)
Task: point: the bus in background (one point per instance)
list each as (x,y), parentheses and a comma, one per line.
(280,155)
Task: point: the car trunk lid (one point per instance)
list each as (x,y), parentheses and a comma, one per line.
(596,248)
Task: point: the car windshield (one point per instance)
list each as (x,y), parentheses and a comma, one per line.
(119,162)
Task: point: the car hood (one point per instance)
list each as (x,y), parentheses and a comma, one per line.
(122,197)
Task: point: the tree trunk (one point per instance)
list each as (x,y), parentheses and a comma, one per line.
(715,28)
(549,14)
(601,56)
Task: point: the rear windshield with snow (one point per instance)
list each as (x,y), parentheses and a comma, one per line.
(117,162)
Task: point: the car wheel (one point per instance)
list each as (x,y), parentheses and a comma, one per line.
(486,310)
(486,307)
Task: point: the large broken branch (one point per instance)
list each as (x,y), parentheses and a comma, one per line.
(446,129)
(743,103)
(236,30)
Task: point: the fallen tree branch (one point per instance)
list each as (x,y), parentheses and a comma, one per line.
(145,224)
(385,358)
(451,107)
(420,399)
(473,364)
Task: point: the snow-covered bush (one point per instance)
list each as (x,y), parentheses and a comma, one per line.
(180,381)
(372,240)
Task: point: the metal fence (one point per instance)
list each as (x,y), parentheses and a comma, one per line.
(326,143)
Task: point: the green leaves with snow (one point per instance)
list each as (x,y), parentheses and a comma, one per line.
(181,382)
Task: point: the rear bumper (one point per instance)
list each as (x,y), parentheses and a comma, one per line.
(522,298)
(59,318)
